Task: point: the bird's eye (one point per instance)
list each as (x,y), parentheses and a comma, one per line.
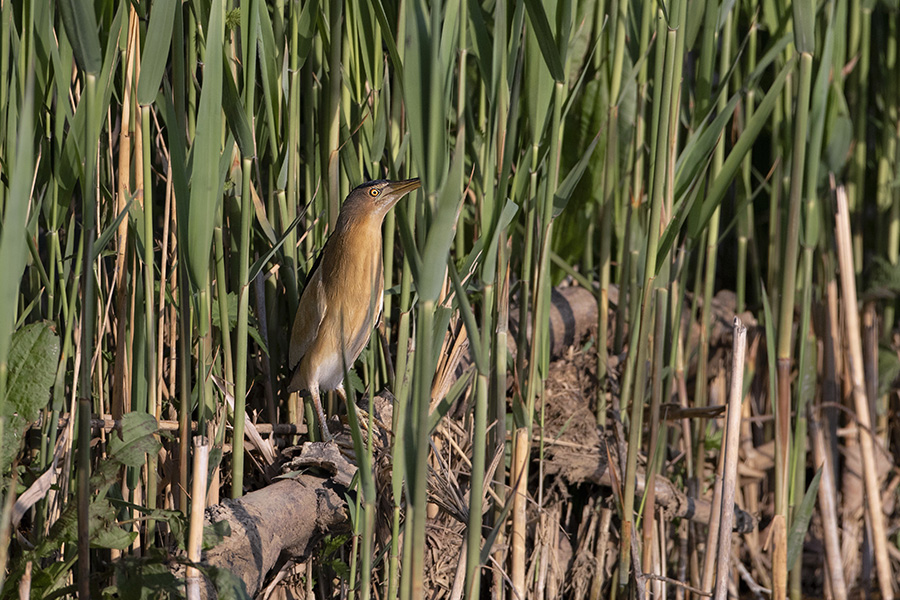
(374,192)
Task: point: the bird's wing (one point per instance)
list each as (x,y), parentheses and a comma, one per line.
(310,313)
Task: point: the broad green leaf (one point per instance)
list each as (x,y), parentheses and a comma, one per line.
(388,38)
(135,439)
(214,533)
(235,115)
(440,235)
(81,27)
(156,49)
(489,259)
(74,145)
(105,531)
(840,140)
(268,62)
(481,41)
(804,28)
(13,438)
(539,83)
(138,579)
(694,21)
(306,29)
(13,248)
(33,358)
(228,585)
(545,40)
(206,151)
(348,156)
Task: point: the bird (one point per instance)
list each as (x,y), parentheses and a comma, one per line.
(344,294)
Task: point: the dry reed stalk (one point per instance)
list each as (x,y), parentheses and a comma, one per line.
(600,551)
(554,572)
(198,506)
(750,491)
(828,511)
(732,439)
(712,537)
(824,456)
(854,344)
(682,567)
(779,558)
(520,501)
(120,402)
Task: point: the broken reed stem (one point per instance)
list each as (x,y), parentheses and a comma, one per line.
(520,500)
(854,345)
(198,506)
(732,440)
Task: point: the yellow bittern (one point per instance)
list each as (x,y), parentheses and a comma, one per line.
(344,294)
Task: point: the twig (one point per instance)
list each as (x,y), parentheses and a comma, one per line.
(758,590)
(676,583)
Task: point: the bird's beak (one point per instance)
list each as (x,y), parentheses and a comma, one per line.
(398,189)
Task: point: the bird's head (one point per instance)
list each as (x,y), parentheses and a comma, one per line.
(376,198)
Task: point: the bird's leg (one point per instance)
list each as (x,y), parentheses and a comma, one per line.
(341,392)
(323,422)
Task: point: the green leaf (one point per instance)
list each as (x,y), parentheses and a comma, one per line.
(12,440)
(306,30)
(156,49)
(453,394)
(545,40)
(387,34)
(214,533)
(81,29)
(228,585)
(231,302)
(468,317)
(235,115)
(489,259)
(801,519)
(108,233)
(33,359)
(565,189)
(206,183)
(804,28)
(13,247)
(840,139)
(143,579)
(698,149)
(481,46)
(268,62)
(726,176)
(136,439)
(105,531)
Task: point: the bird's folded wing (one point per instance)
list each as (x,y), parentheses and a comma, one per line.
(309,317)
